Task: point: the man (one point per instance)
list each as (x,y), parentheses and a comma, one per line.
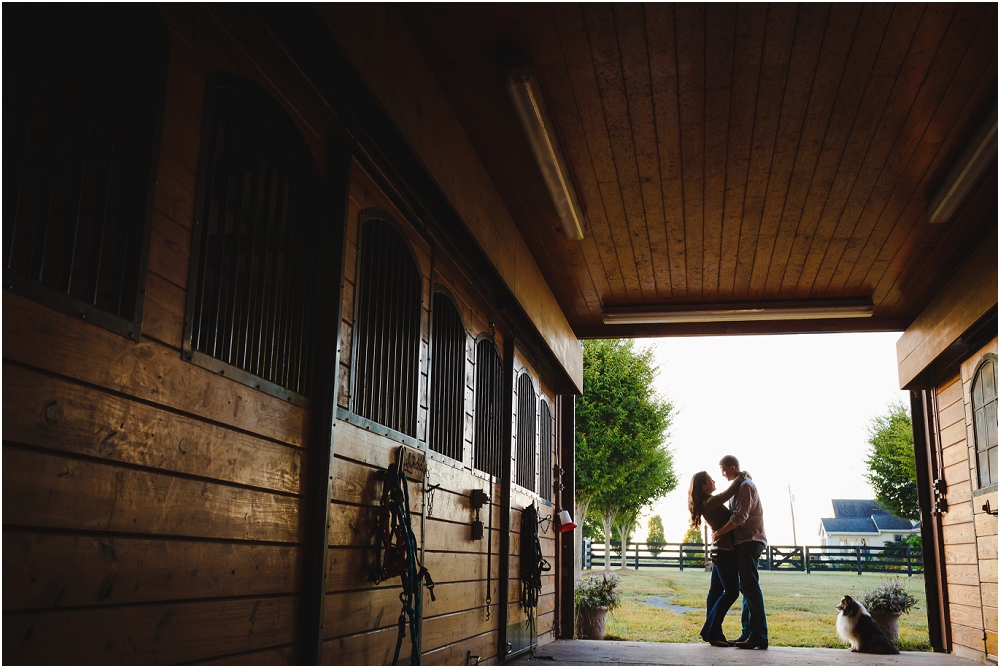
(747,525)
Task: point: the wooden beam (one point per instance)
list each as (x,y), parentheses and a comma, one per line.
(506,437)
(970,294)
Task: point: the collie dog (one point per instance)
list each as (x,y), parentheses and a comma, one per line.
(856,626)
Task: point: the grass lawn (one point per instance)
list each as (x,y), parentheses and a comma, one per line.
(801,608)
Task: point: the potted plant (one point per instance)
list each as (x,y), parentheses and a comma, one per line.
(886,603)
(595,596)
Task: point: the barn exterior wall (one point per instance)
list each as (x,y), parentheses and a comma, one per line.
(938,357)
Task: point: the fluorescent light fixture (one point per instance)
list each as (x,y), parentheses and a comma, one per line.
(527,101)
(797,310)
(981,152)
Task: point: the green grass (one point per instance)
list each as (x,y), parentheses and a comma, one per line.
(801,608)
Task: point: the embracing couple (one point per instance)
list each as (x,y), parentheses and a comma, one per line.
(737,542)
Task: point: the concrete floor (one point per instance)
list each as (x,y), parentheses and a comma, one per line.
(623,653)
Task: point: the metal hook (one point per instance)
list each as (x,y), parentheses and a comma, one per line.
(547,518)
(986,507)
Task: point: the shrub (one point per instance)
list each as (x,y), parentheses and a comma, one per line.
(598,590)
(890,596)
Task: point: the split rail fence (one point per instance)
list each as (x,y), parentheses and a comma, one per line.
(807,558)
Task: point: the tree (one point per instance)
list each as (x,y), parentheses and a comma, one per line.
(655,539)
(622,463)
(892,472)
(692,537)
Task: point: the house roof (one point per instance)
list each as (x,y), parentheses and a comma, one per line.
(856,508)
(863,516)
(849,525)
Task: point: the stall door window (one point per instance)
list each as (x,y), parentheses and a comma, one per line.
(984,417)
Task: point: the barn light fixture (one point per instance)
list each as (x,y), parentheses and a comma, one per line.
(798,310)
(982,151)
(527,99)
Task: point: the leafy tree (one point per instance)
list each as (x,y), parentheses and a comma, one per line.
(621,462)
(692,537)
(655,539)
(891,469)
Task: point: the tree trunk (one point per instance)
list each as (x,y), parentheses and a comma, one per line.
(580,509)
(609,523)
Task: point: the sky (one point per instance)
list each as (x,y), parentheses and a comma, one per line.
(794,409)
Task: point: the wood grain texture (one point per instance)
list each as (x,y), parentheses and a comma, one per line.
(43,490)
(46,571)
(964,595)
(146,371)
(57,414)
(147,634)
(966,638)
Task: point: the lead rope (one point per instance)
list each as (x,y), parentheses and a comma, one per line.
(533,564)
(396,549)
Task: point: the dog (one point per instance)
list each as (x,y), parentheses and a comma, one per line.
(856,626)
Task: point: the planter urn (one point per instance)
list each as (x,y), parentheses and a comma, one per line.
(888,622)
(592,621)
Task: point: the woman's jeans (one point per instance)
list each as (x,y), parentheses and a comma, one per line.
(722,593)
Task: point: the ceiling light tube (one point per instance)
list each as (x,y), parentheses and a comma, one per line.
(982,151)
(680,313)
(524,93)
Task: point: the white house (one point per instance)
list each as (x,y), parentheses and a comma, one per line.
(863,522)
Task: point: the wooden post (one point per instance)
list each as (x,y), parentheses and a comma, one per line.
(909,563)
(320,473)
(680,556)
(805,557)
(507,417)
(857,556)
(567,542)
(636,556)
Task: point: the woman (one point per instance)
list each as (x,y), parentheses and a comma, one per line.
(725,587)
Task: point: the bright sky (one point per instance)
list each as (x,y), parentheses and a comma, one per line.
(794,409)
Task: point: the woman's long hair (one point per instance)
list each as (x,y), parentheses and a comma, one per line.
(696,497)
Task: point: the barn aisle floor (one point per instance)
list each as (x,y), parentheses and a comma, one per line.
(623,653)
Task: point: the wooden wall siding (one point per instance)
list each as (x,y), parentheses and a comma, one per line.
(152,508)
(985,525)
(729,153)
(958,527)
(361,622)
(405,87)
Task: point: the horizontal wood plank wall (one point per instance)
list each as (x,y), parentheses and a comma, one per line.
(958,527)
(361,623)
(152,509)
(985,525)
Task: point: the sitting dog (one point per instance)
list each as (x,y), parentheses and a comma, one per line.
(856,626)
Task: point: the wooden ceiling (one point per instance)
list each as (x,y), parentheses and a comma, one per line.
(732,153)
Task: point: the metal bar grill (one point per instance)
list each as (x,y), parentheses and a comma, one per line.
(388,329)
(87,80)
(489,386)
(545,445)
(259,216)
(526,417)
(447,378)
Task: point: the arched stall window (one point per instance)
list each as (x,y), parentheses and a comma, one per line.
(447,379)
(253,294)
(526,444)
(83,103)
(387,327)
(489,386)
(984,418)
(545,443)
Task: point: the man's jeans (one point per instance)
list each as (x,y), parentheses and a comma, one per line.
(722,593)
(754,617)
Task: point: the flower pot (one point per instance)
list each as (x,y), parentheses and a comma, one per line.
(888,622)
(592,620)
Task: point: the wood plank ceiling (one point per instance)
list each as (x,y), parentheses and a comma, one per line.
(732,153)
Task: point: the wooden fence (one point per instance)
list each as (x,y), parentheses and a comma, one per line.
(808,558)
